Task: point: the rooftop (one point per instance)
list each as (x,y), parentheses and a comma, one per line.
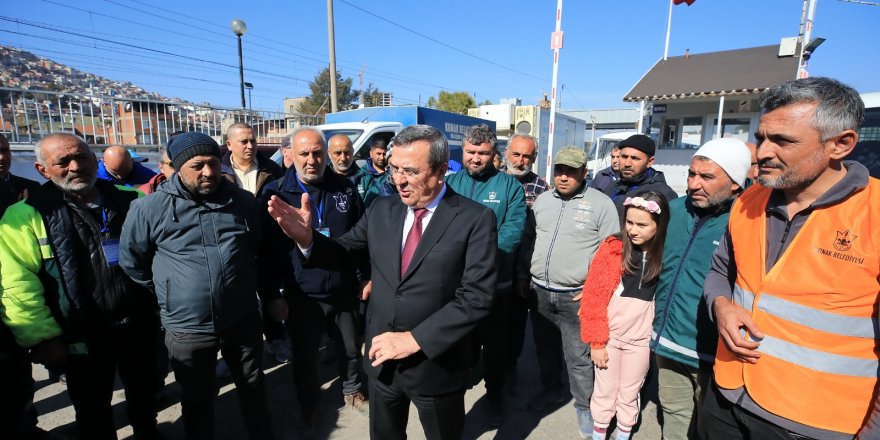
(729,72)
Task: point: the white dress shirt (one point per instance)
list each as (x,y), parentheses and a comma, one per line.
(411,216)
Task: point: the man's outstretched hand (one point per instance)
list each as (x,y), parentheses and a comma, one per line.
(295,222)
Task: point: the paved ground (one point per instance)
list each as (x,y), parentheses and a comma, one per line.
(56,413)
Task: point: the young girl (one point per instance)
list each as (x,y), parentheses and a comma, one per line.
(617,310)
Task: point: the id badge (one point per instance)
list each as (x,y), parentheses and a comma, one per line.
(111,251)
(324,231)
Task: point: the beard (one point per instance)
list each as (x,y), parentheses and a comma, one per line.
(342,168)
(517,171)
(476,170)
(792,176)
(203,186)
(313,175)
(712,201)
(68,185)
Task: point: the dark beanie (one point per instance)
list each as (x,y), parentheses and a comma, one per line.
(640,142)
(191,144)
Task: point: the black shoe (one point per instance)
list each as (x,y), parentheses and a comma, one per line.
(309,426)
(547,398)
(496,413)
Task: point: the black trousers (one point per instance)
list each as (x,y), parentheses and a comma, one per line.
(309,319)
(17,415)
(442,416)
(194,358)
(130,350)
(518,314)
(722,420)
(492,334)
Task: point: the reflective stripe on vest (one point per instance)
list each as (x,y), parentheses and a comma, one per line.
(815,306)
(819,320)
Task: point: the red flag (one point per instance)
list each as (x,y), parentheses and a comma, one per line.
(678,2)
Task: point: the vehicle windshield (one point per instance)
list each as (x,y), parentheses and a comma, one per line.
(605,146)
(352,133)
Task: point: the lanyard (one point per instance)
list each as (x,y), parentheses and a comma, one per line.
(319,207)
(105,224)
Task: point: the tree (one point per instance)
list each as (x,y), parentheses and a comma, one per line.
(486,102)
(372,96)
(319,101)
(455,102)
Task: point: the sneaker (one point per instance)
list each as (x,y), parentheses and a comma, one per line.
(222,370)
(585,423)
(547,398)
(359,402)
(280,348)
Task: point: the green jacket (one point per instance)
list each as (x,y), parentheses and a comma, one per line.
(370,184)
(503,194)
(40,290)
(682,329)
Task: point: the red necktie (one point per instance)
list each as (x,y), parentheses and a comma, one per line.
(412,240)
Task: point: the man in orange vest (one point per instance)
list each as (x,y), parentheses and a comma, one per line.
(794,285)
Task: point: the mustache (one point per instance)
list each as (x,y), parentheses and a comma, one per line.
(769,163)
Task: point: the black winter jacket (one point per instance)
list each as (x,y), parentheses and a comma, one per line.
(341,208)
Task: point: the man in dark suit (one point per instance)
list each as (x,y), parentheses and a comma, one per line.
(12,188)
(432,254)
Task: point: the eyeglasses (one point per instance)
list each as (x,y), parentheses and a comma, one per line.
(409,173)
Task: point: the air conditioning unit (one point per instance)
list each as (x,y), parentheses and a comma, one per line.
(526,120)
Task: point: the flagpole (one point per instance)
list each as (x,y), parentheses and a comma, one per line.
(668,30)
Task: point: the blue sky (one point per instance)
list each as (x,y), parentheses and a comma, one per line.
(494,49)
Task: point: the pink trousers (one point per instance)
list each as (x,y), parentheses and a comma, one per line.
(616,388)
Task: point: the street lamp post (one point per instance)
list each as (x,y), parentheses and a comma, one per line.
(239,28)
(250,87)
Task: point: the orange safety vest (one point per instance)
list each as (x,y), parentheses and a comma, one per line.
(819,360)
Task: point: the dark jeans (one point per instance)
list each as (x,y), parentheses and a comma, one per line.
(492,335)
(442,416)
(722,420)
(129,349)
(557,332)
(516,328)
(309,319)
(194,358)
(17,415)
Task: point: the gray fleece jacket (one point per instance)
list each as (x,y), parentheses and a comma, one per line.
(562,236)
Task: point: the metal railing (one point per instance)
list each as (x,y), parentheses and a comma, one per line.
(28,115)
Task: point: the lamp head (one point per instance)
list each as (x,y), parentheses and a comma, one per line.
(238,27)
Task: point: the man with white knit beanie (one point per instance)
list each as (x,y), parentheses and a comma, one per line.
(684,338)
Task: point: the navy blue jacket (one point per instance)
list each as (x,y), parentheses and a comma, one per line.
(341,208)
(138,176)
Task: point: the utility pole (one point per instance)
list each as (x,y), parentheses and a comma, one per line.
(332,42)
(556,45)
(807,16)
(361,81)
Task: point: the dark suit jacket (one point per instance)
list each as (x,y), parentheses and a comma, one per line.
(447,289)
(15,189)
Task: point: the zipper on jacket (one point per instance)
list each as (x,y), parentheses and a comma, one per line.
(674,283)
(642,274)
(168,295)
(552,241)
(782,242)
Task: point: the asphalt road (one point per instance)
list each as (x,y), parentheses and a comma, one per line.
(338,422)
